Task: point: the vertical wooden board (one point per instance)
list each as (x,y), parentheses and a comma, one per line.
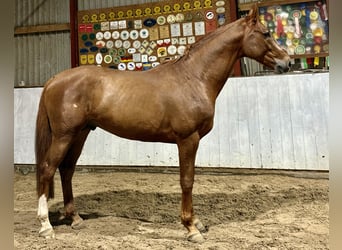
(88,150)
(310,124)
(253,124)
(204,151)
(286,130)
(296,110)
(223,116)
(264,129)
(131,152)
(25,104)
(171,154)
(318,110)
(214,140)
(145,153)
(114,151)
(274,121)
(243,125)
(234,151)
(107,145)
(322,91)
(167,154)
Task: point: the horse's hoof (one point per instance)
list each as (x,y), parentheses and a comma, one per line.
(200,226)
(78,225)
(196,237)
(77,222)
(47,233)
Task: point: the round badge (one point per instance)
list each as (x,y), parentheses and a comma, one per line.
(171,18)
(134,34)
(107,59)
(116,35)
(92,36)
(122,66)
(84,37)
(116,60)
(121,52)
(99,35)
(113,52)
(296,14)
(100,44)
(144,33)
(126,44)
(109,44)
(300,49)
(161,20)
(210,15)
(314,15)
(131,66)
(172,50)
(97,26)
(118,44)
(188,17)
(136,44)
(107,35)
(124,35)
(181,49)
(180,17)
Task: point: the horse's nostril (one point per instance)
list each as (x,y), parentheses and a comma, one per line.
(289,64)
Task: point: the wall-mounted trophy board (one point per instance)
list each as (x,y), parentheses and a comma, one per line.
(140,37)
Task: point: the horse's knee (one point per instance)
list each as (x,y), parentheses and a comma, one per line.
(187,184)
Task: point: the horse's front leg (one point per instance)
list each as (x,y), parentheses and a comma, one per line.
(187,149)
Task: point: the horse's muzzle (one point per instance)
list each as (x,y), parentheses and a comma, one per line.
(282,66)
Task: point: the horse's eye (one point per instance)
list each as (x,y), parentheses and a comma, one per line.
(267,34)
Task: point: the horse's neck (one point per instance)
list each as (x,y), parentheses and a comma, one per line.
(212,60)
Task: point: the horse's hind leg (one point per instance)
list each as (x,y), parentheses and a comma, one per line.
(66,170)
(53,158)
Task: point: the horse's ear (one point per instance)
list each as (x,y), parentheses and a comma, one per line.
(253,15)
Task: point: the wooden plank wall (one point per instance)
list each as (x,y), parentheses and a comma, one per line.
(278,122)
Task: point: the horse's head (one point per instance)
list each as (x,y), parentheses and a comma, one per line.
(259,45)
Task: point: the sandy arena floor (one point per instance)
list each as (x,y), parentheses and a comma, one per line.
(125,210)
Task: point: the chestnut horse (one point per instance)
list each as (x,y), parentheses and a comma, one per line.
(171,103)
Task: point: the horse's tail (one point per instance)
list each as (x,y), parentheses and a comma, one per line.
(42,144)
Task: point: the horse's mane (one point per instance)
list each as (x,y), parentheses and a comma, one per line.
(203,40)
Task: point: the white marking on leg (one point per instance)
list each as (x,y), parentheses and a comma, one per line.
(43,216)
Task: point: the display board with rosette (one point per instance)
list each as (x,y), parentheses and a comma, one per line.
(140,37)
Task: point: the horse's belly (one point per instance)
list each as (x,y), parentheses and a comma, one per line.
(138,130)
